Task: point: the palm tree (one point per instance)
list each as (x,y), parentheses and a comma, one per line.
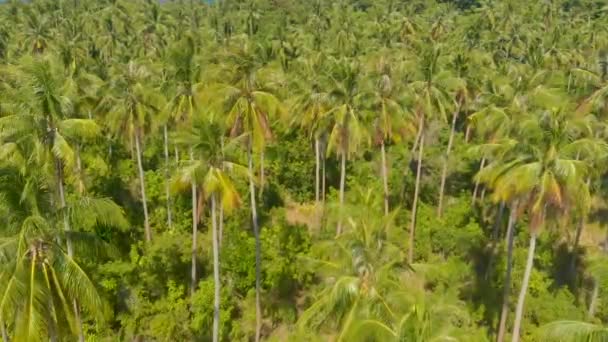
(207,171)
(432,99)
(346,116)
(541,170)
(360,268)
(184,73)
(392,122)
(130,102)
(309,107)
(249,105)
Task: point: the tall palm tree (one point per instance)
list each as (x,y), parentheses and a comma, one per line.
(130,102)
(347,116)
(543,170)
(211,173)
(249,105)
(185,87)
(392,122)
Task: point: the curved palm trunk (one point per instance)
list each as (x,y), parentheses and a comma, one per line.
(476,189)
(216,271)
(193,275)
(317,170)
(256,233)
(410,254)
(414,148)
(507,283)
(524,289)
(384,178)
(444,172)
(70,248)
(142,185)
(167,191)
(342,184)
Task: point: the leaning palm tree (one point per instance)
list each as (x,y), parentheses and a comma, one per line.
(212,174)
(249,104)
(129,103)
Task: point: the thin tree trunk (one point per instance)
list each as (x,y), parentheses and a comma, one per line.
(444,172)
(221,224)
(142,185)
(384,178)
(519,311)
(193,275)
(176,152)
(256,233)
(506,292)
(467,134)
(317,170)
(577,239)
(216,271)
(476,189)
(414,147)
(342,184)
(262,180)
(3,330)
(495,234)
(594,296)
(323,179)
(410,254)
(167,174)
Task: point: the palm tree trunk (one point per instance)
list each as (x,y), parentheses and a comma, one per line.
(444,172)
(256,233)
(142,185)
(323,177)
(467,134)
(70,248)
(176,152)
(495,233)
(317,170)
(577,239)
(476,189)
(384,178)
(410,254)
(221,224)
(342,184)
(3,330)
(414,147)
(506,292)
(193,275)
(216,271)
(519,311)
(167,190)
(262,178)
(594,296)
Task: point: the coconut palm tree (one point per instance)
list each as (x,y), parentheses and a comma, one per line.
(211,173)
(541,170)
(249,105)
(346,117)
(130,102)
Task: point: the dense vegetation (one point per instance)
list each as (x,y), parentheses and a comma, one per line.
(285,170)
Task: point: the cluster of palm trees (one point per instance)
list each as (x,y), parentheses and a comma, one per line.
(83,82)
